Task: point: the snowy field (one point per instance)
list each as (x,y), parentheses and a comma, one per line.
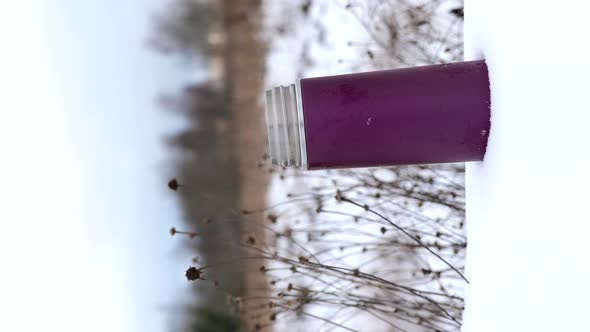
(527,212)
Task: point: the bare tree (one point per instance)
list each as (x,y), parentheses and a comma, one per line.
(182,28)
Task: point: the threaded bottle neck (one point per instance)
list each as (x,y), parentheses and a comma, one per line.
(284,120)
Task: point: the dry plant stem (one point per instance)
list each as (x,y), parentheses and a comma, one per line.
(344,199)
(341,270)
(325,320)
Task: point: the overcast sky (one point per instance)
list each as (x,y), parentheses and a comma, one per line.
(84,208)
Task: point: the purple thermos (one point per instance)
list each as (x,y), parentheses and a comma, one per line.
(420,115)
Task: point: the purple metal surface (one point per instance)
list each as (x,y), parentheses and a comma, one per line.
(420,115)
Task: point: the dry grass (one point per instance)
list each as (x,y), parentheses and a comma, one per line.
(363,249)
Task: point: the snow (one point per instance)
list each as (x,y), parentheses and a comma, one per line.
(527,210)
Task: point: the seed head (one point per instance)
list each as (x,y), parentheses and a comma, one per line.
(272,218)
(173,184)
(192,274)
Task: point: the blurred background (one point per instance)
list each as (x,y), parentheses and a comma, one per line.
(104,102)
